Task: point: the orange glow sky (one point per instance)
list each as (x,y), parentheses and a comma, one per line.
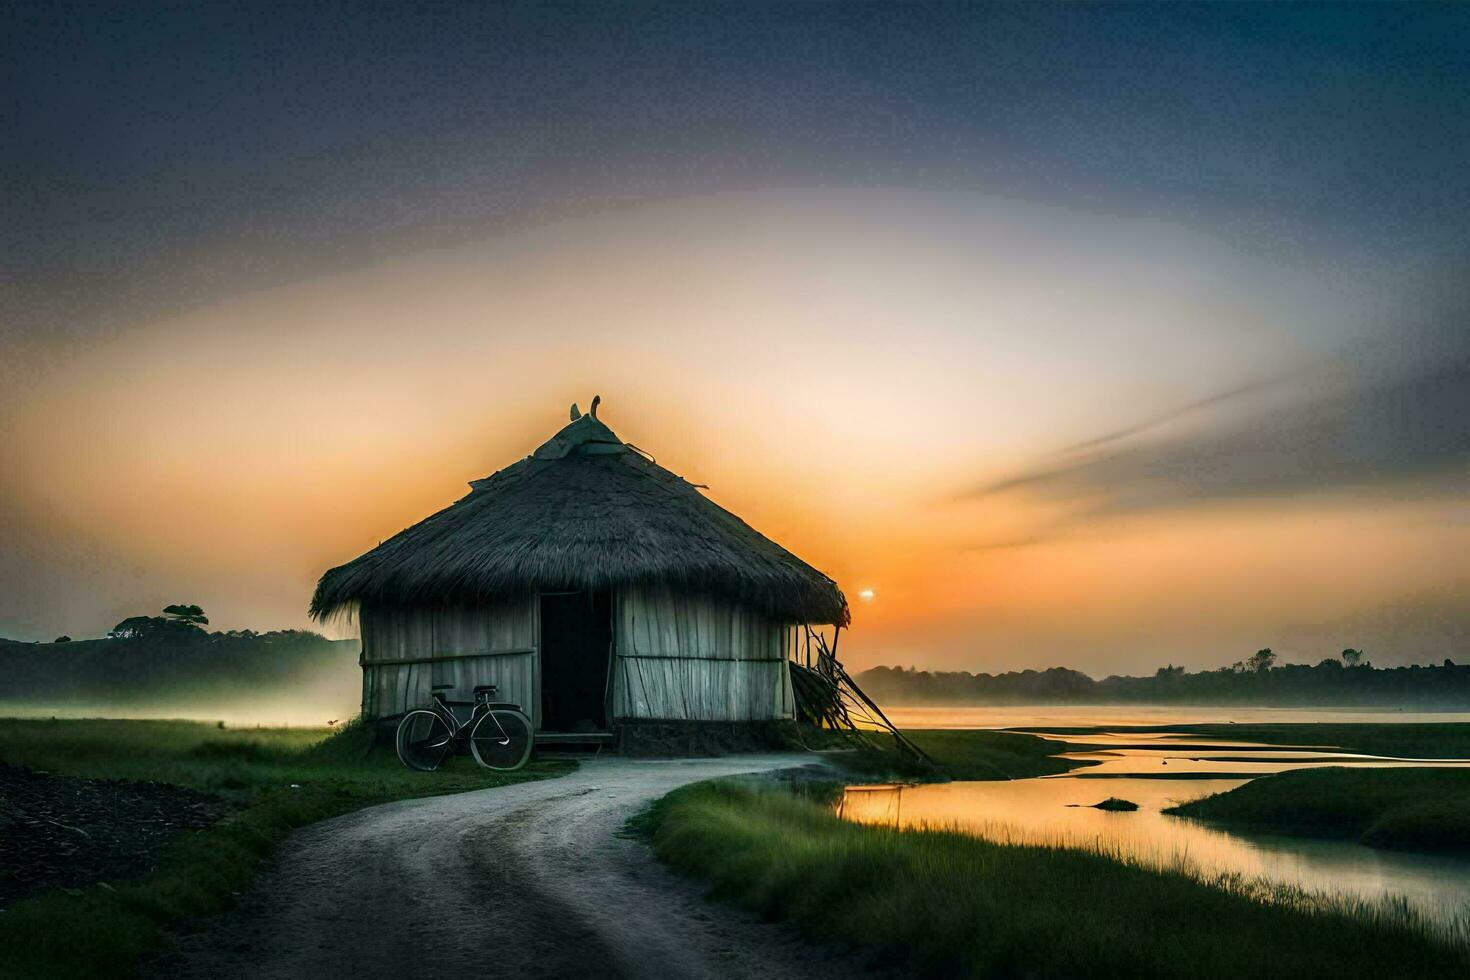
(858,376)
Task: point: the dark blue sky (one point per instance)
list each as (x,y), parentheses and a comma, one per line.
(157,156)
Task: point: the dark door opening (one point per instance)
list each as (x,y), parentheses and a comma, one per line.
(576,644)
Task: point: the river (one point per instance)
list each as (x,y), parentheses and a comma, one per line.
(1157,770)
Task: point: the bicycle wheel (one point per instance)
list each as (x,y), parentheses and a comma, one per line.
(502,739)
(423,740)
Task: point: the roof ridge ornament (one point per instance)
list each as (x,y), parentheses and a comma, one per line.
(577,413)
(584,435)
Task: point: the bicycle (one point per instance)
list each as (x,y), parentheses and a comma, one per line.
(499,733)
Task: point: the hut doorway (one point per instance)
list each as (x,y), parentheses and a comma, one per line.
(576,649)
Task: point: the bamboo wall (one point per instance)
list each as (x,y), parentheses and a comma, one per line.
(691,658)
(506,630)
(678,657)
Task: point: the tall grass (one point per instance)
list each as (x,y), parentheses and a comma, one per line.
(946,903)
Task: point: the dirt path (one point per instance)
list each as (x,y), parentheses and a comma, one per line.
(528,881)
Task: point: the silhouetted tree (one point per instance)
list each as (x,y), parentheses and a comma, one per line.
(137,627)
(62,639)
(1261,661)
(1352,657)
(192,615)
(168,628)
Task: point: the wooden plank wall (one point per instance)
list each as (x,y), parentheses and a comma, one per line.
(682,657)
(406,634)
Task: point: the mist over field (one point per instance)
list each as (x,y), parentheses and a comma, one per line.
(284,678)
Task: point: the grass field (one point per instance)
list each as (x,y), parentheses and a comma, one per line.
(1407,809)
(943,904)
(277,779)
(968,754)
(979,755)
(936,902)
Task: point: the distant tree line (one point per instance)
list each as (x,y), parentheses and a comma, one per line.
(171,655)
(1347,679)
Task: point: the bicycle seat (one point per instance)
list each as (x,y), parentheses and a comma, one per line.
(485,689)
(442,687)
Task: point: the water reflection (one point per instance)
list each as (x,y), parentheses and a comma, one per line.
(1225,761)
(1057,810)
(1117,716)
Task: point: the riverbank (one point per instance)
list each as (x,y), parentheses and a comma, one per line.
(972,755)
(267,782)
(946,903)
(1402,809)
(1403,740)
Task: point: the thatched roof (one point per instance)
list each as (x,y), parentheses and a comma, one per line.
(584,511)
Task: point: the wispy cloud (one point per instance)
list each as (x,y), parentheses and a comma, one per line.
(1006,544)
(1283,437)
(1174,415)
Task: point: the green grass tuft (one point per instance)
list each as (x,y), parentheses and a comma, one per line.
(1405,809)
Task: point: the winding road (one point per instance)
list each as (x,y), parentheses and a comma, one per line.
(529,880)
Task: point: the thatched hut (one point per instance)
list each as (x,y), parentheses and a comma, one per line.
(595,588)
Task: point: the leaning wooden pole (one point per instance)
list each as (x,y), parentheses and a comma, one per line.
(827,690)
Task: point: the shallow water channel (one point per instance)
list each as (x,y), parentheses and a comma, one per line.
(1157,771)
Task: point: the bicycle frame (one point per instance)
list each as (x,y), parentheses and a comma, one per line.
(425,750)
(483,706)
